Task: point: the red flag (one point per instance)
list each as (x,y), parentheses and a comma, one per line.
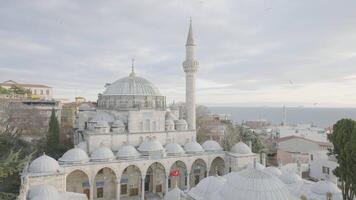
(174,173)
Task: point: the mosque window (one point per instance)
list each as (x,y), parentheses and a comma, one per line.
(326,170)
(47,92)
(123,188)
(100,192)
(169,183)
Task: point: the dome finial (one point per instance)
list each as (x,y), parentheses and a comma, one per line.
(132,67)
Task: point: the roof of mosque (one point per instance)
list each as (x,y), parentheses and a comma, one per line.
(127,151)
(258,166)
(193,147)
(254,184)
(207,187)
(149,145)
(211,145)
(44,164)
(241,148)
(132,85)
(75,155)
(174,149)
(273,171)
(102,154)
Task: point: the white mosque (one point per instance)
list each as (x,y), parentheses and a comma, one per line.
(128,147)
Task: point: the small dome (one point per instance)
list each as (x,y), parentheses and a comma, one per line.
(324,187)
(241,148)
(150,145)
(102,154)
(193,147)
(290,177)
(44,164)
(250,184)
(211,145)
(127,152)
(74,156)
(43,192)
(118,123)
(101,124)
(259,166)
(174,149)
(207,187)
(273,171)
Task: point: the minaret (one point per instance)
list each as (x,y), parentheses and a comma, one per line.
(284,123)
(190,66)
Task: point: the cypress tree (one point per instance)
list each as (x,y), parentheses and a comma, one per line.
(344,141)
(52,144)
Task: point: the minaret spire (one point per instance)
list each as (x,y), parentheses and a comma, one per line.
(132,67)
(190,66)
(190,38)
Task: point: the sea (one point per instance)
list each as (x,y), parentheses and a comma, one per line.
(321,117)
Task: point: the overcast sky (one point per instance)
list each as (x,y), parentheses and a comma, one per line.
(251,52)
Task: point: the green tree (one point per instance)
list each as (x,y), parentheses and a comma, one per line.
(15,154)
(246,135)
(52,144)
(344,140)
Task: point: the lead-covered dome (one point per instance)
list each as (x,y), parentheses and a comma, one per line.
(44,164)
(132,85)
(174,149)
(207,187)
(74,156)
(193,147)
(253,184)
(150,145)
(131,93)
(273,171)
(127,152)
(102,154)
(241,148)
(212,146)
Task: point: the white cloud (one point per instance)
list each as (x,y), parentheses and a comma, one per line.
(249,51)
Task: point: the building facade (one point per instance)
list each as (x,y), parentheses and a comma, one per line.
(129,146)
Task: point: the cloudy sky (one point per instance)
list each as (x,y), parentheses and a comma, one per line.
(251,52)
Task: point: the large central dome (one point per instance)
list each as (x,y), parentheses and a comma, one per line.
(131,93)
(132,85)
